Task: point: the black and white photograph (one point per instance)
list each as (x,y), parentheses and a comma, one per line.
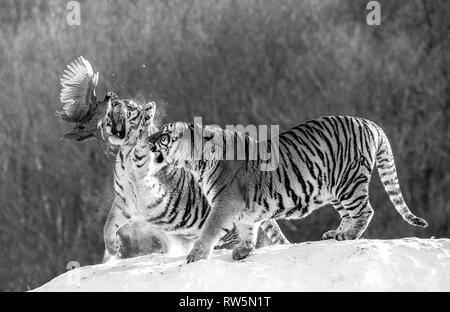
(225,146)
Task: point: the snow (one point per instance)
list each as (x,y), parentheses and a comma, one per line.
(408,264)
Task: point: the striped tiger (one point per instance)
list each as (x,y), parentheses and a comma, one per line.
(157,208)
(328,160)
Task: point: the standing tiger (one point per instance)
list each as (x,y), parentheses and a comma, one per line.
(328,160)
(154,197)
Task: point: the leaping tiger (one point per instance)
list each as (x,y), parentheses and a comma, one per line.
(328,160)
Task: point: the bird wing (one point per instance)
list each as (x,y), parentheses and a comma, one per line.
(78,90)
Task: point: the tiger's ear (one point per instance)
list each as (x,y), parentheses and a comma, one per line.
(208,135)
(149,107)
(149,110)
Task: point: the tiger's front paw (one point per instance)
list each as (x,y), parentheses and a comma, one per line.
(242,251)
(198,252)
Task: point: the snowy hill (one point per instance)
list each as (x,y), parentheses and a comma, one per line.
(408,264)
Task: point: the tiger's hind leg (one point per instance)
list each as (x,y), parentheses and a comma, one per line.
(355,201)
(346,221)
(361,213)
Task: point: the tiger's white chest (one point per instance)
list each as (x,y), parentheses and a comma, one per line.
(142,194)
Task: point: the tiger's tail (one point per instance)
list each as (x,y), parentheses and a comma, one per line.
(388,175)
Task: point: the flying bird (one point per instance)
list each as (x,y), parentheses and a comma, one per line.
(81,105)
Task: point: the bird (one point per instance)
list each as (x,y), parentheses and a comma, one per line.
(81,105)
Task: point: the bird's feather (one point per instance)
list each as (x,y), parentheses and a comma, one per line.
(78,90)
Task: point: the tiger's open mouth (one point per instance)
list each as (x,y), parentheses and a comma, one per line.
(118,126)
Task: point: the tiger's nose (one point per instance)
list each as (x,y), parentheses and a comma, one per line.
(152,147)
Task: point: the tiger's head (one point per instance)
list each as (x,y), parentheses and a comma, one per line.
(172,144)
(125,121)
(181,144)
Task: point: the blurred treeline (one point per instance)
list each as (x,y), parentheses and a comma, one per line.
(231,62)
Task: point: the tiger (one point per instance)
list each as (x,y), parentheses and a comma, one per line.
(157,208)
(328,160)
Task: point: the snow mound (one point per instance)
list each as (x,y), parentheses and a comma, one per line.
(408,264)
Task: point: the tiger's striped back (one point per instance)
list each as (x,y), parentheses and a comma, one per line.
(338,154)
(330,160)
